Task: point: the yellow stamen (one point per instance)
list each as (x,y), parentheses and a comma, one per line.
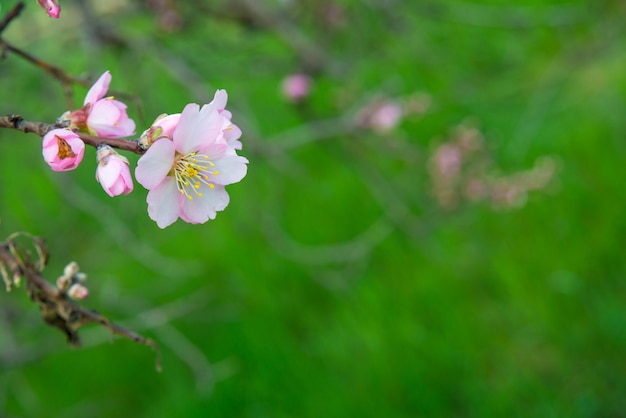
(190,175)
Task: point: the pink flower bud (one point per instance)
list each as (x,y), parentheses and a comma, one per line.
(64,282)
(77,292)
(71,269)
(51,7)
(113,172)
(296,87)
(62,149)
(107,118)
(162,127)
(101,116)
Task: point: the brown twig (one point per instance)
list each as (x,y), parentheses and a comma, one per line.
(13,13)
(65,79)
(41,128)
(57,310)
(56,72)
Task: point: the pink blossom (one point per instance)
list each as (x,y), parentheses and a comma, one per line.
(187,167)
(102,116)
(62,149)
(296,87)
(113,172)
(51,7)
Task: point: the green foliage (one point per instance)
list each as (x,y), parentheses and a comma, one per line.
(334,285)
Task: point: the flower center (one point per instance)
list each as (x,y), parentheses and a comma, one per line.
(191,172)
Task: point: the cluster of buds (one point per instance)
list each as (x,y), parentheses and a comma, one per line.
(187,158)
(72,282)
(460,169)
(63,149)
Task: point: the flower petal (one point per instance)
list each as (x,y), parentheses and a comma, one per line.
(99,89)
(186,125)
(219,101)
(153,166)
(214,151)
(196,128)
(202,208)
(168,124)
(108,118)
(232,135)
(230,169)
(164,203)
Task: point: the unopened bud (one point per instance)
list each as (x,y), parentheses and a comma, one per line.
(64,282)
(113,172)
(149,136)
(77,292)
(80,277)
(71,269)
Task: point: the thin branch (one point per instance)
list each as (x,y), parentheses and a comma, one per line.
(13,13)
(41,128)
(54,71)
(65,79)
(57,310)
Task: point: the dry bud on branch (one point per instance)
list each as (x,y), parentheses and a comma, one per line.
(18,264)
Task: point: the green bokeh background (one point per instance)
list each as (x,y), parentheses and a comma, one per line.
(333,285)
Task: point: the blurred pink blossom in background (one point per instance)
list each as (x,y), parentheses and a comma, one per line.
(296,87)
(381,115)
(460,169)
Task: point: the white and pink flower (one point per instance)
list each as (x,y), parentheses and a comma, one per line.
(113,172)
(191,157)
(102,116)
(62,149)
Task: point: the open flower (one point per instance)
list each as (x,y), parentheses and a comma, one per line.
(62,149)
(102,116)
(51,7)
(113,172)
(186,169)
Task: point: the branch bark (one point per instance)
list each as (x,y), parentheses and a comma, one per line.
(40,128)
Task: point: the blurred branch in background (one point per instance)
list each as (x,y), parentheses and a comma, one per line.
(115,229)
(56,72)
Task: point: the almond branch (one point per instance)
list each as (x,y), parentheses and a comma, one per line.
(41,128)
(57,310)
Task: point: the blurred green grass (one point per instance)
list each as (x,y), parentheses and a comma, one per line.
(426,311)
